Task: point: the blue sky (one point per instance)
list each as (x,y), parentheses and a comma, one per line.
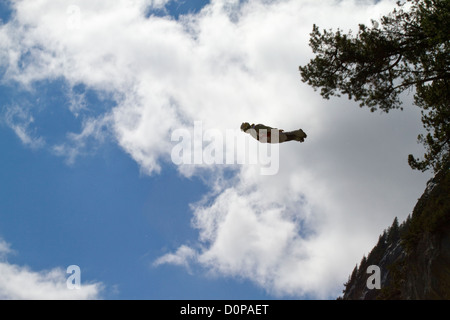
(86,115)
(99,213)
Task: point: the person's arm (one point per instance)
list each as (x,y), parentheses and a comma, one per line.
(261,126)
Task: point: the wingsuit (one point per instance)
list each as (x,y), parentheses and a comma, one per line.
(265,133)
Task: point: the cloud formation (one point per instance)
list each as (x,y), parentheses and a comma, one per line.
(20,120)
(22,283)
(295,233)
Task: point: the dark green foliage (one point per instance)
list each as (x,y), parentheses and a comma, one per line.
(378,251)
(431,212)
(351,279)
(431,215)
(394,232)
(397,275)
(408,49)
(363,265)
(435,101)
(357,280)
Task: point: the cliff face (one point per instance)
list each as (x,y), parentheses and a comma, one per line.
(414,257)
(427,270)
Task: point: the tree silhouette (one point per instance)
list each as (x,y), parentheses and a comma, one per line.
(408,49)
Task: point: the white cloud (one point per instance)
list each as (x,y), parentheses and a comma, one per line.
(181,257)
(77,102)
(93,129)
(5,249)
(159,4)
(298,232)
(22,283)
(19,119)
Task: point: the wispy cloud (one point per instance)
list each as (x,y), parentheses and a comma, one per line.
(20,121)
(182,257)
(93,129)
(5,249)
(77,102)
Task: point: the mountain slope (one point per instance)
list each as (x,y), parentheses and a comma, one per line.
(414,257)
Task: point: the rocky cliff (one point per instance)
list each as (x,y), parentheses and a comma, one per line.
(413,257)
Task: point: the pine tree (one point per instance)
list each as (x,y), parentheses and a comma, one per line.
(394,232)
(363,265)
(351,279)
(409,49)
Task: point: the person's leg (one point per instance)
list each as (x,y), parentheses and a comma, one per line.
(297,135)
(289,136)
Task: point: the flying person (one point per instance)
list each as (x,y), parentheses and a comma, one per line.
(263,133)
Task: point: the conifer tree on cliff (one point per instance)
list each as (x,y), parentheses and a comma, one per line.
(407,50)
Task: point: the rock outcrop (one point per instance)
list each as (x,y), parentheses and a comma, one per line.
(414,257)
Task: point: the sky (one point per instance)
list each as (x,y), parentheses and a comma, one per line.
(122,155)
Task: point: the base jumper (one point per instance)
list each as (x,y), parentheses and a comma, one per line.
(263,133)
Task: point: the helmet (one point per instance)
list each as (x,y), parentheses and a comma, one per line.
(245,126)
